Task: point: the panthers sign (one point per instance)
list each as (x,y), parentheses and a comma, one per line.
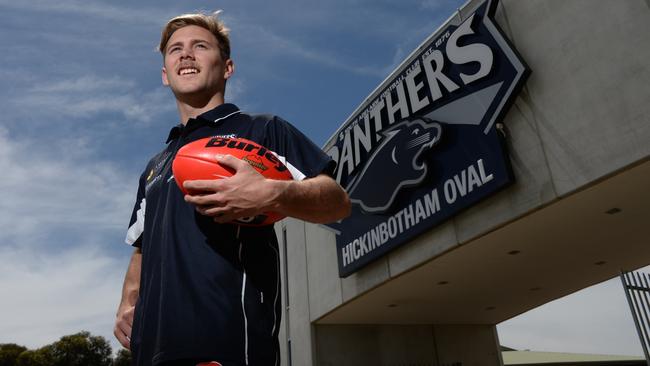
(427,144)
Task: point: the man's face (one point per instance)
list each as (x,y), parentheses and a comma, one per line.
(193,65)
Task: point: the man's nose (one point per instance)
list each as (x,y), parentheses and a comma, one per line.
(187,52)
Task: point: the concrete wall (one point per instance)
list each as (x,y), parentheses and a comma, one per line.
(395,345)
(583,114)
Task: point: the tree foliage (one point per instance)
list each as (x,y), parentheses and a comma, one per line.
(9,353)
(80,349)
(123,358)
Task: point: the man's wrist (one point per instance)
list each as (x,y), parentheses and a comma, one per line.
(281,195)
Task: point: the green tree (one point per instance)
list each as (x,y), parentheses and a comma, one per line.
(81,349)
(39,357)
(123,358)
(9,353)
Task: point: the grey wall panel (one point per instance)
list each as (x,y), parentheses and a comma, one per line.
(422,249)
(359,345)
(368,277)
(322,271)
(299,319)
(589,87)
(476,345)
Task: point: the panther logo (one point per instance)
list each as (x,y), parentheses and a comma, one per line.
(399,164)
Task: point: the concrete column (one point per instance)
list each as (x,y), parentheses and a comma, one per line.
(296,326)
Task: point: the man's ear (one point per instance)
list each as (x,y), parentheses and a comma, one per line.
(229,69)
(165,81)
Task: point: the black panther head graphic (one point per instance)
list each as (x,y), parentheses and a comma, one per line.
(395,164)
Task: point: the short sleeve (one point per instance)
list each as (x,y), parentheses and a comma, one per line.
(136,224)
(303,158)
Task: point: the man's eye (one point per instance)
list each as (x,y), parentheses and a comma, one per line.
(173,49)
(200,45)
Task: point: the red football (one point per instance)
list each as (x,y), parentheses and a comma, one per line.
(197,160)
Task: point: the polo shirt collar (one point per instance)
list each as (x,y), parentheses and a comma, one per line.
(221,112)
(216,115)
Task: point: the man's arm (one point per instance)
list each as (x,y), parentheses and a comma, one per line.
(130,291)
(247,193)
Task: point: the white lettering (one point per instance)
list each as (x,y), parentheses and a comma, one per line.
(376,114)
(435,74)
(356,249)
(346,157)
(431,202)
(375,237)
(472,178)
(450,191)
(346,255)
(461,182)
(481,169)
(413,88)
(399,106)
(383,232)
(392,227)
(419,211)
(409,217)
(398,217)
(361,138)
(475,52)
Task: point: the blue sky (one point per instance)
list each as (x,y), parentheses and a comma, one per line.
(83,109)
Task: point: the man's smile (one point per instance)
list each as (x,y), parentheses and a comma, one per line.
(186,70)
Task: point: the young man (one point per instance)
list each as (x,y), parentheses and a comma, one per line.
(199,289)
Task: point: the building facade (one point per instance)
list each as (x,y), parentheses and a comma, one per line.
(574,212)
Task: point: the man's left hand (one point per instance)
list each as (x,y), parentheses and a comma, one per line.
(247,193)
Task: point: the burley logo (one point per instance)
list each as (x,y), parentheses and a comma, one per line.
(425,145)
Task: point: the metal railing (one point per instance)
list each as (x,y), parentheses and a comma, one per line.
(637,291)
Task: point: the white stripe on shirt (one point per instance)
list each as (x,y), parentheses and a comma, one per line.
(137,228)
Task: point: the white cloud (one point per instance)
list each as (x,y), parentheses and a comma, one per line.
(593,320)
(279,45)
(83,84)
(48,295)
(235,89)
(436,5)
(89,95)
(54,190)
(95,9)
(59,218)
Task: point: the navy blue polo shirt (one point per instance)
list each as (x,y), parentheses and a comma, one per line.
(210,291)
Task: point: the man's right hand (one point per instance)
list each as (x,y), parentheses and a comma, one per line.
(123,325)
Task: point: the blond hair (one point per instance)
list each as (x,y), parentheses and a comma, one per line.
(211,22)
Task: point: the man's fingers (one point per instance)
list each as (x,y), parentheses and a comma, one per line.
(122,337)
(231,161)
(205,185)
(206,201)
(124,340)
(123,327)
